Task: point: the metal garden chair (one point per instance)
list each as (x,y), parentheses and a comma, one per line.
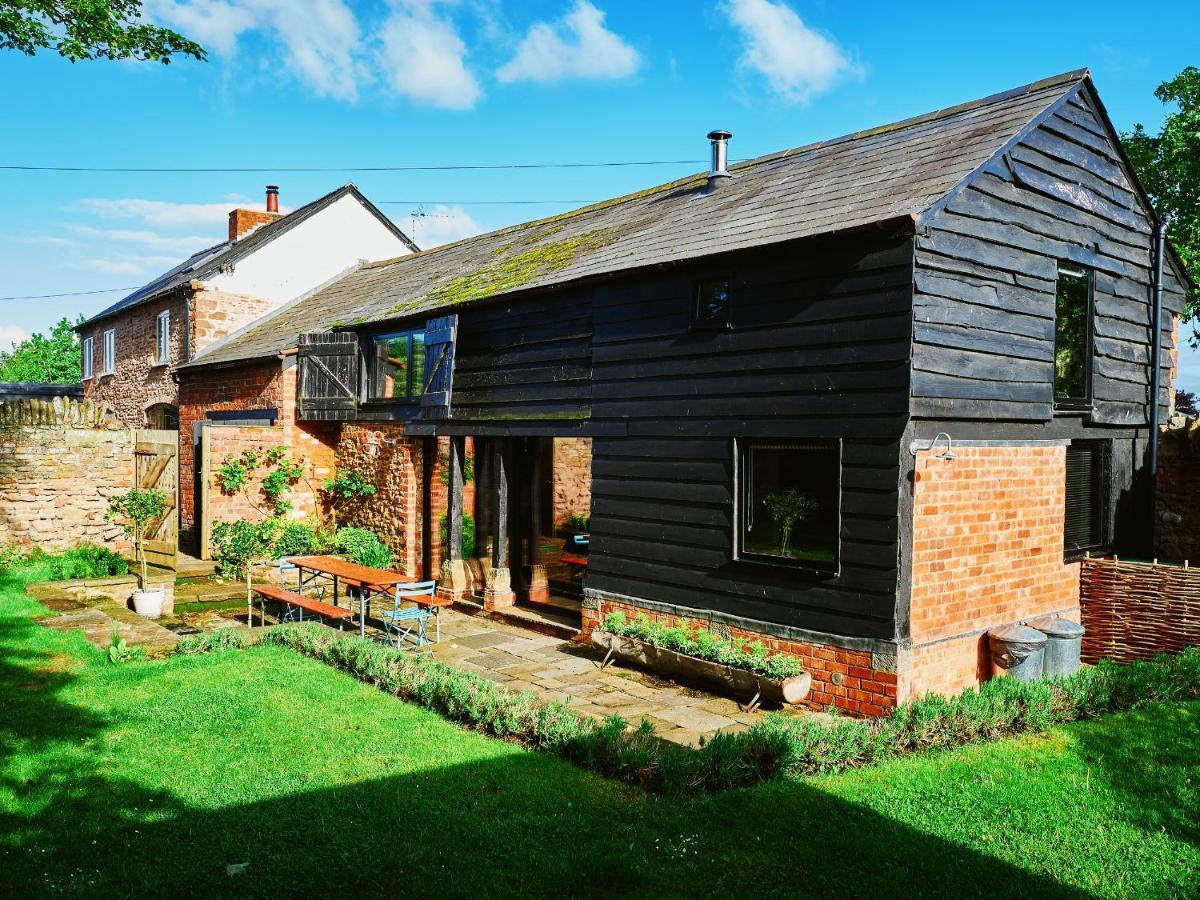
(409,623)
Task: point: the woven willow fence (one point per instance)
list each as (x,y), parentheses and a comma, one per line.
(1133,610)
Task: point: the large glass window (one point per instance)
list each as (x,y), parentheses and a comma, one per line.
(88,352)
(162,338)
(1072,335)
(110,352)
(399,366)
(789,499)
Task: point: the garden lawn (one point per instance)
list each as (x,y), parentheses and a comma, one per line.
(264,773)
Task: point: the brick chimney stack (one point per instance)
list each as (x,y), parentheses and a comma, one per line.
(242,221)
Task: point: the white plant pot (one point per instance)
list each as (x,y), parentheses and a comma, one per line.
(149,603)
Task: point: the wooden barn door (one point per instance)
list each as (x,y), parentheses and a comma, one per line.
(156,465)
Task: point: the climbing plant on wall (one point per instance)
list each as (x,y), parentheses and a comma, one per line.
(279,473)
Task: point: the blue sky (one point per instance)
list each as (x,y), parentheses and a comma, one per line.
(334,83)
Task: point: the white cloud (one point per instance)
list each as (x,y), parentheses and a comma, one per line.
(797,61)
(11,334)
(186,245)
(440,225)
(110,266)
(160,213)
(577,46)
(44,240)
(319,38)
(423,57)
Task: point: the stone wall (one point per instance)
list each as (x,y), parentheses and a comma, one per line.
(987,551)
(59,465)
(572,479)
(1177,519)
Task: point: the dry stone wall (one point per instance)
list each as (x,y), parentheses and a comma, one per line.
(60,462)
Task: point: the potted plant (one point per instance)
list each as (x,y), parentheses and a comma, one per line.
(132,510)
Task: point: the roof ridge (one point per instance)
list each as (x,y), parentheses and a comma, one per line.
(1063,78)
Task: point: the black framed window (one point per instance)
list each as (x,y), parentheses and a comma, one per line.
(398,366)
(789,509)
(1073,335)
(1086,501)
(711,306)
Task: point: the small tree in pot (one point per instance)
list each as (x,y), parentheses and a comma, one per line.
(787,508)
(132,510)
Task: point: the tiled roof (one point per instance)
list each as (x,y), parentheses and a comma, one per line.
(868,177)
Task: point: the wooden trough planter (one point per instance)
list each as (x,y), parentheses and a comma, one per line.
(751,688)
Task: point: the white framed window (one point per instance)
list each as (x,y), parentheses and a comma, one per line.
(162,338)
(110,352)
(88,355)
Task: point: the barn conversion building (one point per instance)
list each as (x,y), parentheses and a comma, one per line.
(862,400)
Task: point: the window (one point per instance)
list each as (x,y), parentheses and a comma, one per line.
(711,307)
(88,351)
(789,502)
(110,352)
(399,366)
(162,338)
(1073,335)
(1086,496)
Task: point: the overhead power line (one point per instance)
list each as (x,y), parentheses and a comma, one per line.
(279,169)
(71,294)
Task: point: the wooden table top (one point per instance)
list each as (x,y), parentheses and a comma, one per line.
(349,571)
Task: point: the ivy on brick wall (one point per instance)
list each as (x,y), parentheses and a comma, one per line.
(280,473)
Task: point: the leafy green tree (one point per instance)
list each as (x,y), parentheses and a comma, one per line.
(1168,165)
(787,508)
(89,29)
(52,358)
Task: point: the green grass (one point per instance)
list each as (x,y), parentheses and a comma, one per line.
(149,778)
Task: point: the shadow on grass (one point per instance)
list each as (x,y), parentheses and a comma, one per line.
(511,824)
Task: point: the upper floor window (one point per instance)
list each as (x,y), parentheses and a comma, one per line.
(88,355)
(711,307)
(789,502)
(162,338)
(1073,335)
(110,352)
(398,370)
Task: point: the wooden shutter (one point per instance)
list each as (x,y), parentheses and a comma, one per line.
(329,363)
(1086,494)
(440,335)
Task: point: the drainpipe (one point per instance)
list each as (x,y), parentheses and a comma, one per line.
(1160,246)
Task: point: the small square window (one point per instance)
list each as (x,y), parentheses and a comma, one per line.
(790,495)
(398,371)
(110,352)
(1073,335)
(88,351)
(711,308)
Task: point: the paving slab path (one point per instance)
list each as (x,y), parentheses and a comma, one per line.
(99,619)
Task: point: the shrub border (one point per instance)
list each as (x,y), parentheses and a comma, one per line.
(778,746)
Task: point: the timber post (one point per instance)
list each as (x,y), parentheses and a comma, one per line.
(497,591)
(454,578)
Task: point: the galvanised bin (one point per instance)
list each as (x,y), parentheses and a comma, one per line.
(1064,639)
(1018,651)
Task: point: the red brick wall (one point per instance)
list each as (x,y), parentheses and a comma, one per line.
(254,386)
(572,478)
(1177,514)
(853,681)
(987,551)
(242,221)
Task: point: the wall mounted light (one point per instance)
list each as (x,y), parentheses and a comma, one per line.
(915,447)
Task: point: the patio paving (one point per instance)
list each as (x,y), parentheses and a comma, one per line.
(554,669)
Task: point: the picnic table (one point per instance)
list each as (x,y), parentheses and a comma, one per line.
(364,579)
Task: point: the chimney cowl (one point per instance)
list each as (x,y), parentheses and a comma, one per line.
(272,198)
(720,154)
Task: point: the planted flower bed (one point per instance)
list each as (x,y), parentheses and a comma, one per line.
(694,656)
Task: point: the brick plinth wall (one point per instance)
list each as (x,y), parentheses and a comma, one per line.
(572,478)
(987,551)
(858,682)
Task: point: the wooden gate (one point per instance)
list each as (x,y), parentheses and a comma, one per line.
(156,465)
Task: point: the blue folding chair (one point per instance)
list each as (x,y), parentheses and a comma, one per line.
(409,623)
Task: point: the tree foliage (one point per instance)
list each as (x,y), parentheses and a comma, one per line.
(89,29)
(1168,165)
(52,358)
(1185,402)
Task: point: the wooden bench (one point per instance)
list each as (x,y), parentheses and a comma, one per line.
(291,598)
(578,564)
